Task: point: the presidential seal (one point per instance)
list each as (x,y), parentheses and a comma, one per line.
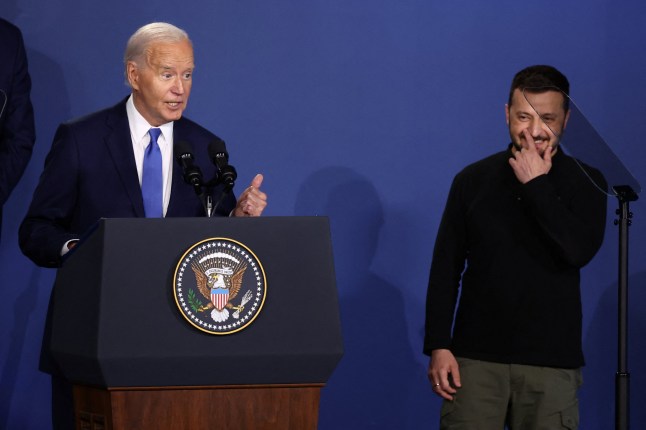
(219,286)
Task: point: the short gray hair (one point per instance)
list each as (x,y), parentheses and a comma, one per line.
(151,33)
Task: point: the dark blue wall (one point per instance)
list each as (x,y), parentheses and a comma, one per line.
(362,111)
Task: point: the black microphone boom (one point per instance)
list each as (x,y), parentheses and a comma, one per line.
(226,173)
(192,173)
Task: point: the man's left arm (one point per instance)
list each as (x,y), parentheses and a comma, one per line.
(17,135)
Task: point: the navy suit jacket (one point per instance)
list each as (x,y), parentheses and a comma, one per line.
(90,173)
(17,133)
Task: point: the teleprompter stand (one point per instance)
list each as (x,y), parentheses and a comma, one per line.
(625,195)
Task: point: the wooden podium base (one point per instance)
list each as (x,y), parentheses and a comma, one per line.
(257,407)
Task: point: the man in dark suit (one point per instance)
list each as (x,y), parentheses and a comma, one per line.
(99,166)
(17,135)
(95,168)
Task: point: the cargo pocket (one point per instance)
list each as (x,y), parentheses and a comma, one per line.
(570,418)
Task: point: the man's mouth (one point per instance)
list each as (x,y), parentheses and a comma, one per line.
(540,140)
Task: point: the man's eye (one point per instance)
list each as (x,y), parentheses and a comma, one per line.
(187,76)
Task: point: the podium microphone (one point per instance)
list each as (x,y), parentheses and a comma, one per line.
(226,173)
(192,173)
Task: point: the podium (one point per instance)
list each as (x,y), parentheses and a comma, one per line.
(137,363)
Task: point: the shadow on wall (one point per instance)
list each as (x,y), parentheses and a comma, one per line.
(369,387)
(23,311)
(600,346)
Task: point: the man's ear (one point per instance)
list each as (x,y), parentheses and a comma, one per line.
(507,113)
(132,74)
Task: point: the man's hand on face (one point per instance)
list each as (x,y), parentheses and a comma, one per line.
(528,163)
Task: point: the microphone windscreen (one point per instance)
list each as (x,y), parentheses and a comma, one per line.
(216,147)
(182,148)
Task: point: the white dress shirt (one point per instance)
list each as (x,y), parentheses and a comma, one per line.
(141,139)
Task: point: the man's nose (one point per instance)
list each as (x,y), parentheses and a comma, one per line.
(178,88)
(536,127)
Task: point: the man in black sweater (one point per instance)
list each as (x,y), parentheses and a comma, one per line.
(517,228)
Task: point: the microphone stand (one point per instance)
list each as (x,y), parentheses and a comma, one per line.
(203,192)
(225,191)
(625,194)
(207,191)
(205,195)
(208,206)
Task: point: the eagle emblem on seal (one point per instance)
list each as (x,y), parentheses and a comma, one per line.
(220,285)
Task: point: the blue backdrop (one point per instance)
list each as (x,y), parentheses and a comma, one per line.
(362,111)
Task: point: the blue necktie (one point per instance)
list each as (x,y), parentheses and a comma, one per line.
(151,181)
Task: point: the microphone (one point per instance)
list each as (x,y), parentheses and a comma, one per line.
(226,173)
(192,173)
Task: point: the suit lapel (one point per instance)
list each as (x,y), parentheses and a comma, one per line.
(119,144)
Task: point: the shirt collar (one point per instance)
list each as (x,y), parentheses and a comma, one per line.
(139,126)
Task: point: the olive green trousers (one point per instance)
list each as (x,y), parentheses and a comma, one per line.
(497,396)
